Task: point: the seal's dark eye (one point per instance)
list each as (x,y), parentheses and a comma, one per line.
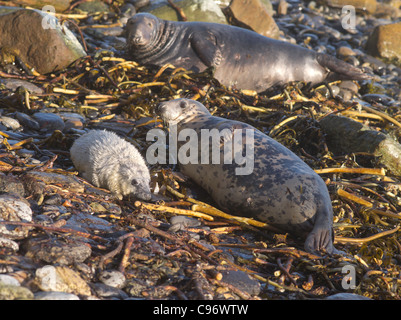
(150,24)
(183,104)
(134,182)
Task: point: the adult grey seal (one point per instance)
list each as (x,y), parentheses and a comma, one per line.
(108,161)
(280,190)
(241,57)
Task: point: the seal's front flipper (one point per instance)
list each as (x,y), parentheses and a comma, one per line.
(206,47)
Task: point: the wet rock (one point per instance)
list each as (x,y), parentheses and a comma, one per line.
(195,10)
(362,5)
(112,278)
(62,279)
(385,41)
(45,50)
(11,292)
(58,252)
(345,135)
(252,14)
(27,121)
(48,122)
(242,281)
(53,295)
(14,208)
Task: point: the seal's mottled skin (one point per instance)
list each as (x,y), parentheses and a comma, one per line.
(241,57)
(108,161)
(282,190)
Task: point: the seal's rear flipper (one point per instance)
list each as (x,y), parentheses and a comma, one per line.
(340,70)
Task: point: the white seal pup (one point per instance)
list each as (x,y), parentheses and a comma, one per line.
(279,189)
(110,162)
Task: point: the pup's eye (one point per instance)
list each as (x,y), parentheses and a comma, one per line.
(134,182)
(183,104)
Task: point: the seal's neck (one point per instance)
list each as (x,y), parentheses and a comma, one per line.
(162,41)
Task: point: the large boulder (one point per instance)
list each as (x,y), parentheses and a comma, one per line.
(252,14)
(385,41)
(39,40)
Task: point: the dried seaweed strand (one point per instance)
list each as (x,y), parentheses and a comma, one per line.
(367,239)
(200,206)
(156,207)
(379,172)
(354,198)
(382,114)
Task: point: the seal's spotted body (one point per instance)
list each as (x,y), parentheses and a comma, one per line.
(241,57)
(282,190)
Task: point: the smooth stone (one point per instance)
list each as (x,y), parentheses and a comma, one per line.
(63,279)
(106,291)
(54,295)
(48,122)
(8,280)
(242,281)
(112,278)
(10,123)
(10,292)
(13,84)
(346,296)
(58,252)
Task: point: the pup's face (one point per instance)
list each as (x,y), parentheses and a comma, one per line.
(135,182)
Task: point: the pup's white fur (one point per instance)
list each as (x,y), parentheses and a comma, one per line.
(108,161)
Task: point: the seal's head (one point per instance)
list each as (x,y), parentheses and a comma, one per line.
(134,181)
(175,111)
(142,30)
